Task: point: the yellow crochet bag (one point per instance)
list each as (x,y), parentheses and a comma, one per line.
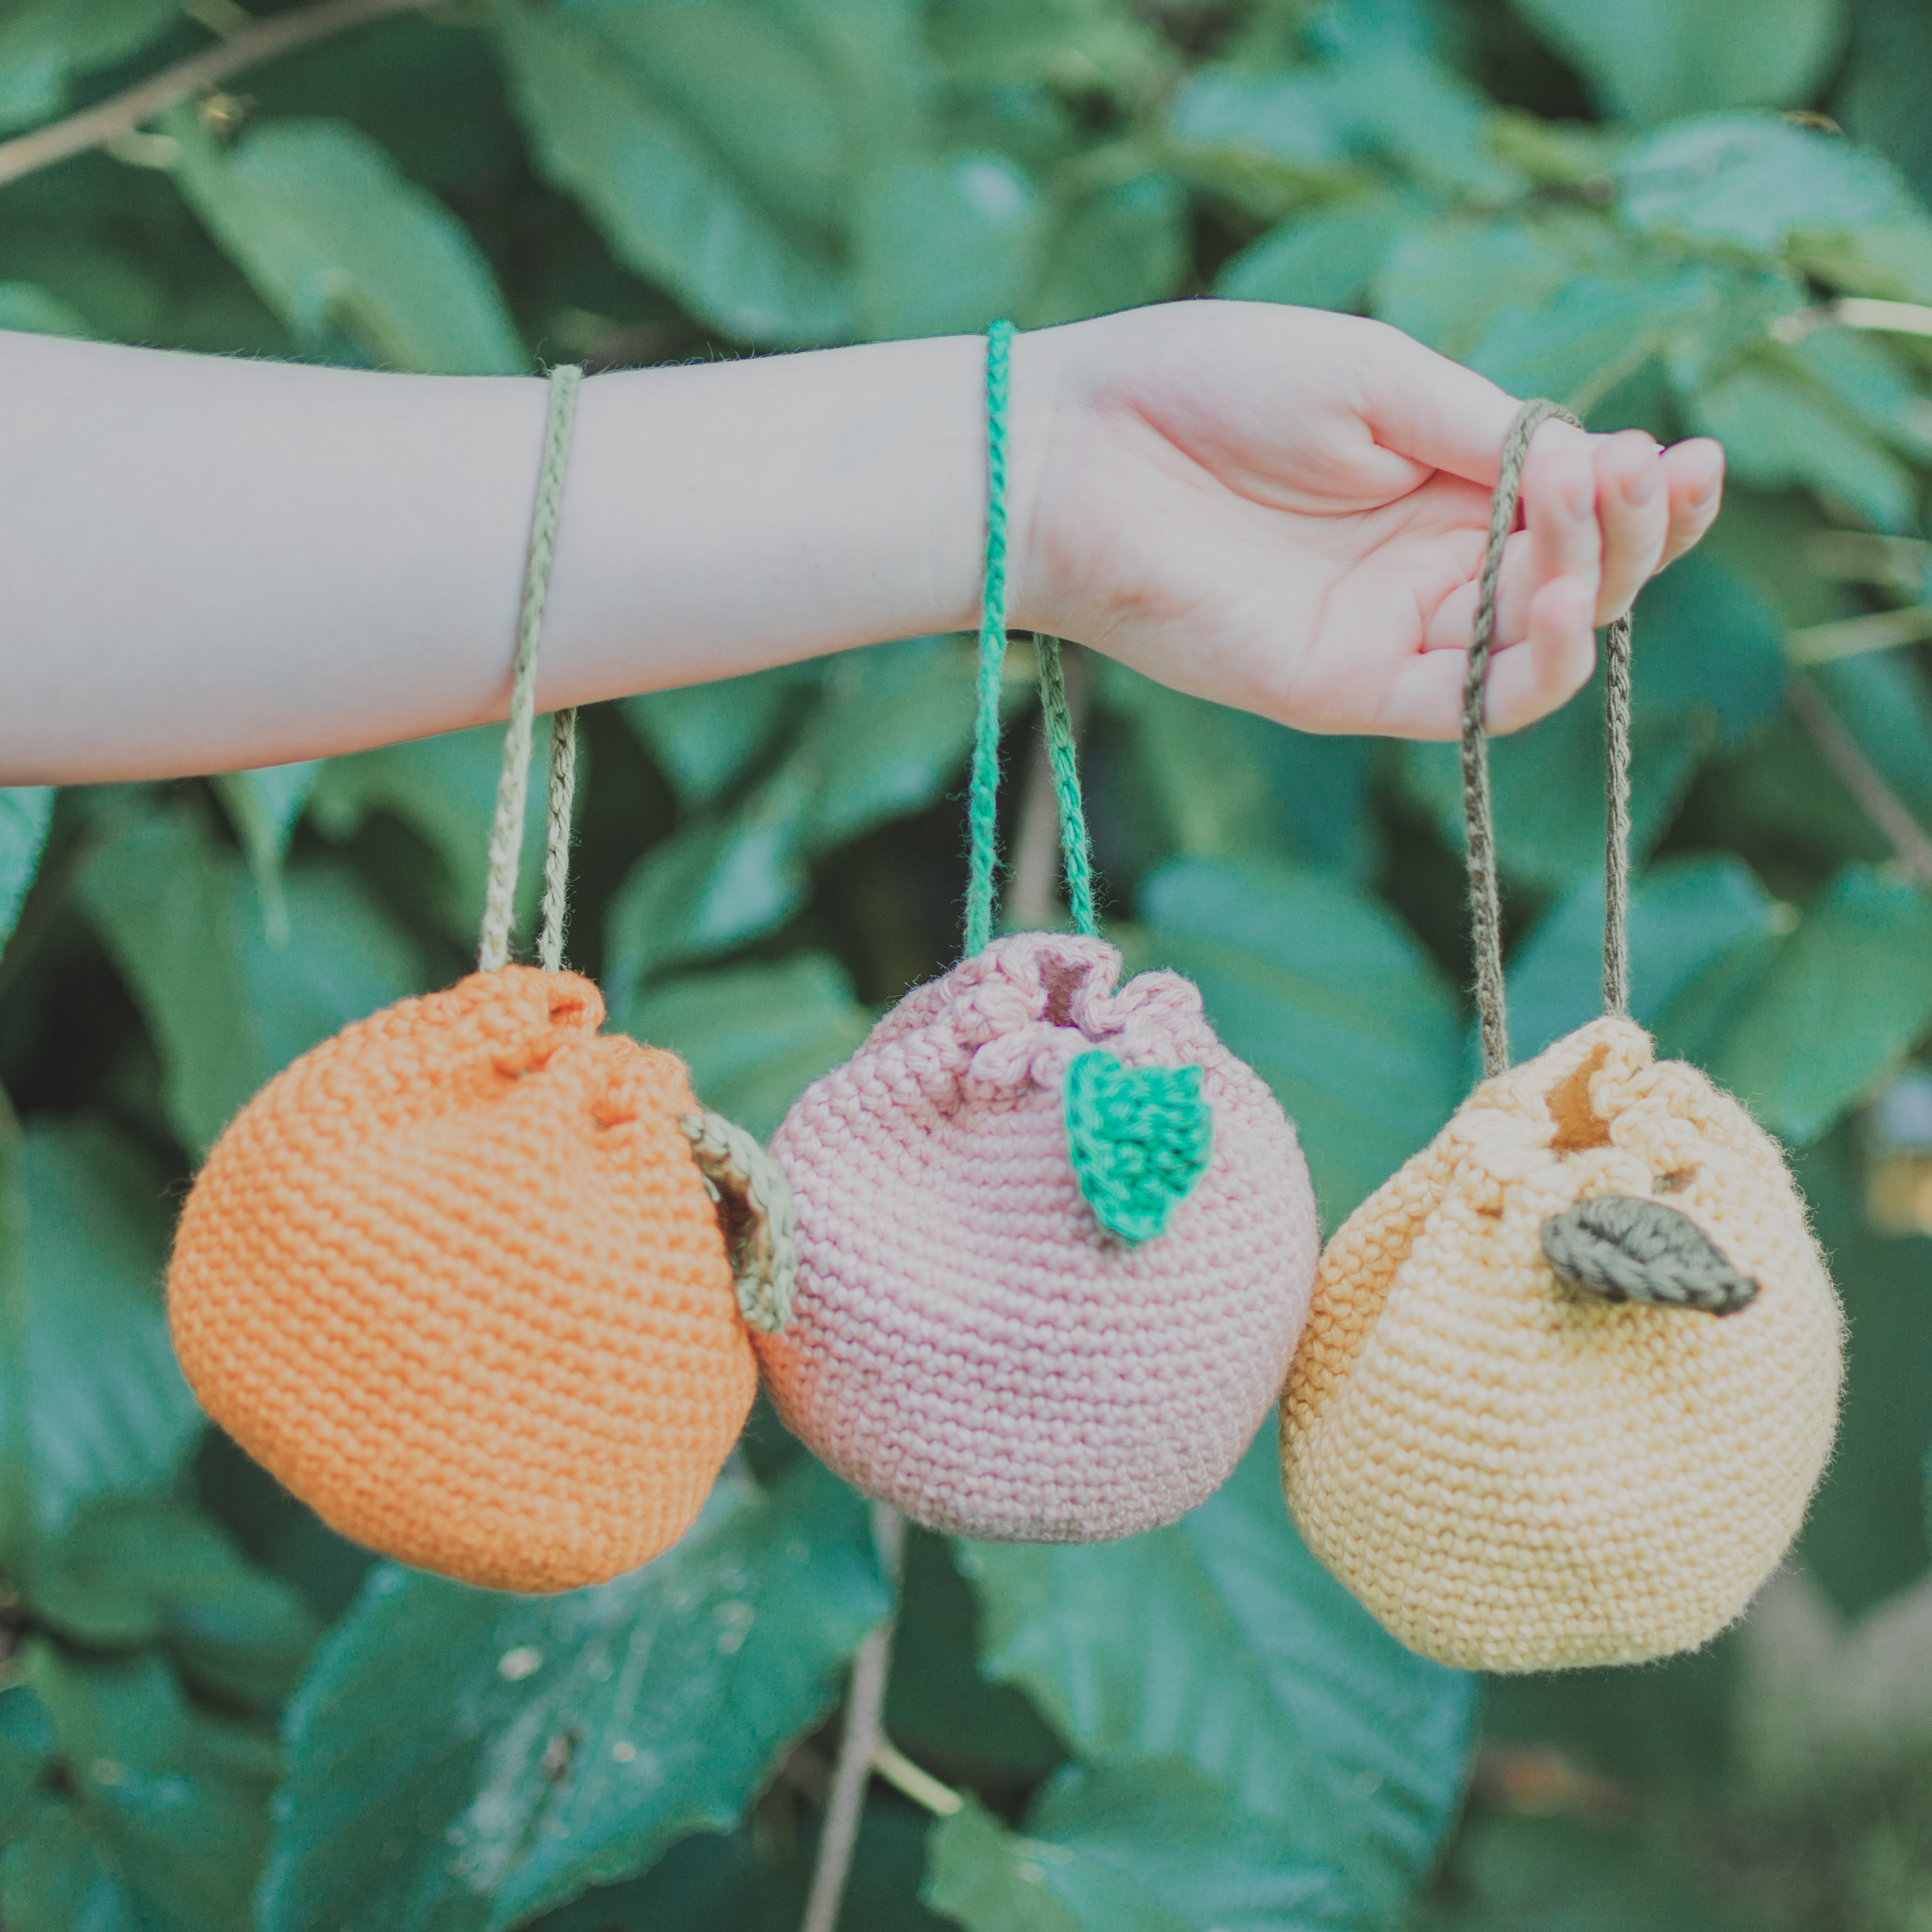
(1569,1376)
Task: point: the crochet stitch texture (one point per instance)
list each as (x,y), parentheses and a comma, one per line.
(454,1278)
(1514,1475)
(966,1341)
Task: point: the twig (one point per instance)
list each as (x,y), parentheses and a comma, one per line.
(124,112)
(1031,896)
(1881,804)
(865,1706)
(1851,637)
(921,1786)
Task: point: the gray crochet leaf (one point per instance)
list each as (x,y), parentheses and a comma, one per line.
(1622,1247)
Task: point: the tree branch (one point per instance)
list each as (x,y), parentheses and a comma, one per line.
(108,120)
(865,1707)
(1881,804)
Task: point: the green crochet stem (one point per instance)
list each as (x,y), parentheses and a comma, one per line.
(982,809)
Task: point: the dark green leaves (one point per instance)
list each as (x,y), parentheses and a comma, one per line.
(46,44)
(1121,1850)
(671,206)
(1651,62)
(754,1036)
(1222,1642)
(26,813)
(890,727)
(349,253)
(95,1405)
(1847,994)
(946,246)
(161,1810)
(463,1759)
(1331,1001)
(229,1006)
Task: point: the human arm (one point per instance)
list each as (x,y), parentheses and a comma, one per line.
(212,564)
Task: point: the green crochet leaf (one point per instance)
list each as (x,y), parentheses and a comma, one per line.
(1139,1138)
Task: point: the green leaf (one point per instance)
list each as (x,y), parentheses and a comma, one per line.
(1758,182)
(704,735)
(345,251)
(1880,698)
(1861,376)
(264,807)
(1074,44)
(462,1759)
(1878,100)
(228,1007)
(1702,932)
(1299,118)
(1776,433)
(1706,644)
(25,306)
(982,1877)
(45,45)
(891,725)
(1116,248)
(95,1403)
(1546,795)
(944,247)
(140,1570)
(1224,781)
(1542,1874)
(165,1827)
(1221,1640)
(670,206)
(1579,340)
(754,1036)
(26,812)
(714,884)
(1656,60)
(1847,995)
(1325,260)
(1331,1001)
(1147,1847)
(740,79)
(445,789)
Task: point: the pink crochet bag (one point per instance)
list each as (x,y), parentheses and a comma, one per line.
(1055,1243)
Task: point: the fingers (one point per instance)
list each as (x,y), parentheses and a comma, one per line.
(1634,516)
(1528,678)
(1694,477)
(1608,511)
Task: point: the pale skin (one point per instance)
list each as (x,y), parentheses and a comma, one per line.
(212,565)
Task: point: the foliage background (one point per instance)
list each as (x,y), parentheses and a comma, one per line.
(216,1715)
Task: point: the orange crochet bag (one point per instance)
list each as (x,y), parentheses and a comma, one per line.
(1570,1376)
(457,1277)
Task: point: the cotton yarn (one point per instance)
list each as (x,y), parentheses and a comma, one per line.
(967,1341)
(1513,1475)
(470,1279)
(1570,1376)
(454,1278)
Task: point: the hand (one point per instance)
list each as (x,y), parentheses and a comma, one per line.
(1285,510)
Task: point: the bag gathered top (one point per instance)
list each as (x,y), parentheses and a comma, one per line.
(1054,1242)
(1570,1376)
(471,1279)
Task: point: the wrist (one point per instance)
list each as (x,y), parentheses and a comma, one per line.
(1038,406)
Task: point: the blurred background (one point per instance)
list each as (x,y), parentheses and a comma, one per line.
(1701,216)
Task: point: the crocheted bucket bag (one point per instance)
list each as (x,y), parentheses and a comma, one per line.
(1054,1241)
(1571,1375)
(457,1277)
